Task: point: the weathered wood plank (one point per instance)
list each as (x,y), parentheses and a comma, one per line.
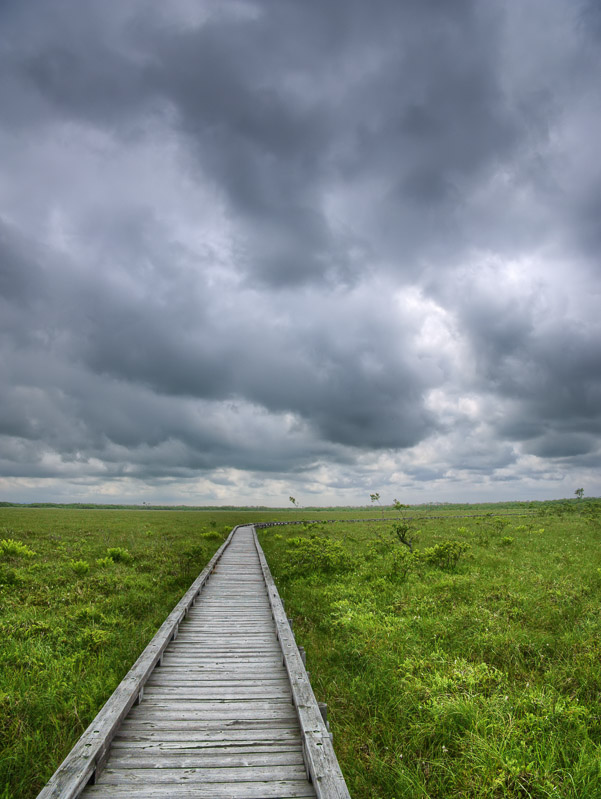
(283,789)
(267,735)
(243,705)
(176,725)
(283,711)
(201,760)
(192,776)
(160,747)
(222,671)
(173,685)
(194,692)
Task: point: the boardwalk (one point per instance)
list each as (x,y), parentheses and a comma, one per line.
(227,712)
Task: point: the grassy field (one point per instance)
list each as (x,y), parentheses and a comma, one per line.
(474,678)
(468,668)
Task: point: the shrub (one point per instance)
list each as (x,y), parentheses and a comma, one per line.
(119,554)
(400,564)
(212,535)
(315,554)
(506,541)
(378,547)
(104,563)
(9,576)
(80,567)
(12,548)
(444,555)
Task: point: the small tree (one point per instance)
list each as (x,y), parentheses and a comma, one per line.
(376,498)
(579,492)
(293,500)
(402,530)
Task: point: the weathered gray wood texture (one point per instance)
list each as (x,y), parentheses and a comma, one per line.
(226,711)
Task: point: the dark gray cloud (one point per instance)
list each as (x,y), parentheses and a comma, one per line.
(343,247)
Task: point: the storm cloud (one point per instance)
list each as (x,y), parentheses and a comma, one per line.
(249,249)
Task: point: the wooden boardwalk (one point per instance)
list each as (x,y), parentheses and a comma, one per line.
(227,712)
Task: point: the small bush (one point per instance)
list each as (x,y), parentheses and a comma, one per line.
(400,564)
(316,554)
(212,535)
(378,547)
(80,567)
(15,549)
(9,576)
(104,563)
(94,638)
(119,555)
(506,541)
(444,555)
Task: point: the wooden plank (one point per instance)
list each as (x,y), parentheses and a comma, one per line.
(211,704)
(177,725)
(226,640)
(209,737)
(261,646)
(161,747)
(199,692)
(187,758)
(283,789)
(223,671)
(211,663)
(192,776)
(284,711)
(174,684)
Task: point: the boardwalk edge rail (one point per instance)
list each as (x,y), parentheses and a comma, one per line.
(321,763)
(87,758)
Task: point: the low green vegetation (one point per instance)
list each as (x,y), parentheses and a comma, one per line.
(462,661)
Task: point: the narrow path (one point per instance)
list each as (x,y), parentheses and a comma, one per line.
(217,717)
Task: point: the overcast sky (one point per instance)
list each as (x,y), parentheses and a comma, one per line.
(309,247)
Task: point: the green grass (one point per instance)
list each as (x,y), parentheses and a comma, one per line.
(482,680)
